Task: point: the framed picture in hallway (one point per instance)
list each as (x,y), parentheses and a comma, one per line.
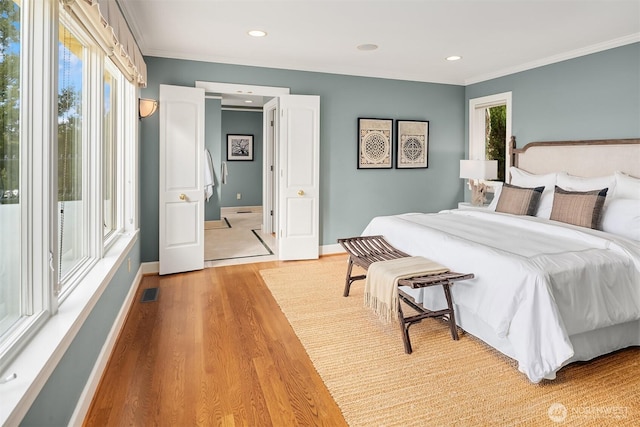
(239,147)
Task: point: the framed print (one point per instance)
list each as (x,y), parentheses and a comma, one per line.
(375,138)
(413,144)
(239,147)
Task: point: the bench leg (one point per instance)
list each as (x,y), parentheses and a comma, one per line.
(452,317)
(405,330)
(348,281)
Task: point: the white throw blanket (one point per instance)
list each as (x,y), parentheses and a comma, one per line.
(381,286)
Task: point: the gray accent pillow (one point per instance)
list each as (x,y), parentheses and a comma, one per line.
(519,200)
(583,208)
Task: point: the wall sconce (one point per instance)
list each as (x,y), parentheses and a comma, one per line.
(146,107)
(476,171)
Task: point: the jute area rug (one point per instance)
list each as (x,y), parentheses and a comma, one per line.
(444,382)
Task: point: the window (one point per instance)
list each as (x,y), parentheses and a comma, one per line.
(10,150)
(68,147)
(490,130)
(68,156)
(109,154)
(72,201)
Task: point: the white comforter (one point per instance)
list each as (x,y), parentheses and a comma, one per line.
(536,281)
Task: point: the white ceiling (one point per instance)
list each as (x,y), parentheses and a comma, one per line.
(494,38)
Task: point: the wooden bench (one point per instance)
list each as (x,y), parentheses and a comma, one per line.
(365,250)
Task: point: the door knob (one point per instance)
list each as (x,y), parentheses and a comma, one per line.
(183,196)
(300,193)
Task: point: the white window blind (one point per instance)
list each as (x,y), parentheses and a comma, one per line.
(104,20)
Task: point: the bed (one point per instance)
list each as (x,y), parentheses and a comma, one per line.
(546,292)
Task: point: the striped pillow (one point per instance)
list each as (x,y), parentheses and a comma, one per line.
(519,200)
(583,208)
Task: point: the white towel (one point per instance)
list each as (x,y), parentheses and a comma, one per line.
(224,172)
(381,286)
(208,175)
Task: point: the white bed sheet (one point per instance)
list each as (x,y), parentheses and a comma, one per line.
(537,282)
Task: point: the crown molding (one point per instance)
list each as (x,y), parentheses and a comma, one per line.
(599,47)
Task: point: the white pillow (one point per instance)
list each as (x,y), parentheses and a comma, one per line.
(578,183)
(497,189)
(622,217)
(522,178)
(627,186)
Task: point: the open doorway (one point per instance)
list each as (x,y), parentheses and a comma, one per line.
(244,230)
(239,234)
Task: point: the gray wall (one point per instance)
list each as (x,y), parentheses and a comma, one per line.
(244,177)
(349,197)
(595,96)
(592,97)
(59,396)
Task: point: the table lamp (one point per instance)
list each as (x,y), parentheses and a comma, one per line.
(477,171)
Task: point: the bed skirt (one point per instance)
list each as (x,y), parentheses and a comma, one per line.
(586,345)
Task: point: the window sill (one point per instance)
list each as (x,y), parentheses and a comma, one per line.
(40,356)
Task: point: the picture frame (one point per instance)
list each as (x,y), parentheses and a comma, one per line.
(412,148)
(375,143)
(239,147)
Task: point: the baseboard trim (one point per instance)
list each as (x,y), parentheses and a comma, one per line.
(150,267)
(237,209)
(84,403)
(336,248)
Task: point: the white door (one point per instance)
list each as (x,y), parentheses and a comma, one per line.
(299,177)
(181,234)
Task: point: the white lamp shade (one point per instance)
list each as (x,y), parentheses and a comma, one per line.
(479,169)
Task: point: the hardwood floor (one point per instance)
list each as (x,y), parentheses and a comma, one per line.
(215,349)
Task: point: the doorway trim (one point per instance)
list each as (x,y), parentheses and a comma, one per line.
(233,88)
(269,166)
(477,108)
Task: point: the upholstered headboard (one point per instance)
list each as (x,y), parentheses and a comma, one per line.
(589,158)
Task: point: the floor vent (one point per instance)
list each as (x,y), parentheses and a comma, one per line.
(150,295)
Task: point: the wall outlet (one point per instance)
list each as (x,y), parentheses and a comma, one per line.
(239,196)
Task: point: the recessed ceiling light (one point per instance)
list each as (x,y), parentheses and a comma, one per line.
(257,33)
(367,46)
(453,58)
(248,101)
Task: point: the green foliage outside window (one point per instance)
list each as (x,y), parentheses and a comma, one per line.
(69,145)
(69,118)
(496,128)
(9,102)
